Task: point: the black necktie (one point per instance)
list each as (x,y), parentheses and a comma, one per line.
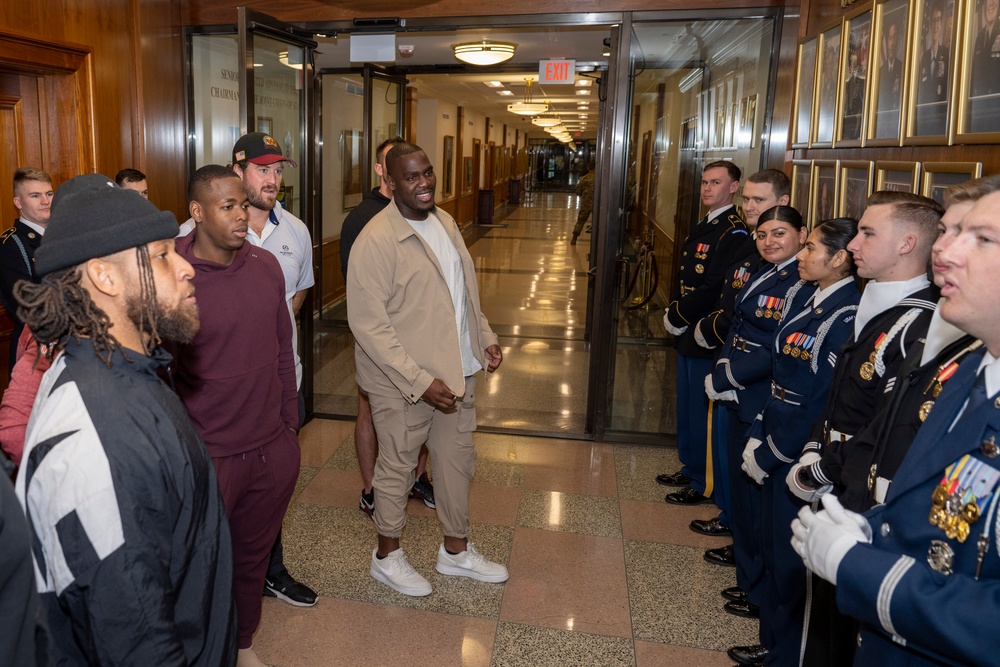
(978,394)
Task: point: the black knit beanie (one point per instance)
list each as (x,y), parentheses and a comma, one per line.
(92,217)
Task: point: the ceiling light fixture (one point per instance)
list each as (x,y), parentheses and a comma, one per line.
(295,62)
(484,53)
(545,122)
(527,107)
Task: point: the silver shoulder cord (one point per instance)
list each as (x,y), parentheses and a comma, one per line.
(983,544)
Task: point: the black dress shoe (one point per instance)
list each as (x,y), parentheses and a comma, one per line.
(744,609)
(710,527)
(686,496)
(721,556)
(734,594)
(748,655)
(673,479)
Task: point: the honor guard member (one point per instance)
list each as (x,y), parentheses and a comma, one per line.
(908,401)
(743,372)
(32,197)
(922,571)
(814,326)
(707,252)
(892,251)
(762,192)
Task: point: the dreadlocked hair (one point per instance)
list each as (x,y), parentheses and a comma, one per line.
(147,300)
(59,308)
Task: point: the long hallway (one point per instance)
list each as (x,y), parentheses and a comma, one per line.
(602,571)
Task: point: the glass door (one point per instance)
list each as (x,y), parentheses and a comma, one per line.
(359,109)
(276,97)
(681,93)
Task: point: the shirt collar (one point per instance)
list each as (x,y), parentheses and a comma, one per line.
(272,216)
(992,369)
(940,334)
(879,297)
(821,294)
(33,225)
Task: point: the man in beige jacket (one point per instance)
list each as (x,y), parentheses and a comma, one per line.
(413,306)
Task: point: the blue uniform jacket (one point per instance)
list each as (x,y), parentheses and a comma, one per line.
(912,614)
(805,354)
(745,363)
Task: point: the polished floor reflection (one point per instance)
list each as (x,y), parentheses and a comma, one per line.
(533,287)
(602,571)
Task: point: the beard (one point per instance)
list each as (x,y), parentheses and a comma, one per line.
(179,324)
(258,199)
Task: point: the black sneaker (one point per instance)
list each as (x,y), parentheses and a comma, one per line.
(367,503)
(284,587)
(423,489)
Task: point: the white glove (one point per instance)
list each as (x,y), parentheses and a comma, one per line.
(700,338)
(823,538)
(676,331)
(719,396)
(750,466)
(806,493)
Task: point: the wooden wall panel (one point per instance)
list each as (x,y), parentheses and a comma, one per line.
(134,125)
(210,12)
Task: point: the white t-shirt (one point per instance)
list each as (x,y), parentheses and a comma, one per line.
(433,233)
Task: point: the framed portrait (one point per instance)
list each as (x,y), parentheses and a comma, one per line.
(855,186)
(264,124)
(448,167)
(854,81)
(932,62)
(885,110)
(828,78)
(805,84)
(801,178)
(350,163)
(823,197)
(748,121)
(978,110)
(466,175)
(939,175)
(897,176)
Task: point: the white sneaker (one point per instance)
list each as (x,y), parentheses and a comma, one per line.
(396,572)
(470,563)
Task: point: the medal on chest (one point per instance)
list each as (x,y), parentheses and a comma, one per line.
(960,497)
(867,370)
(769,307)
(701,251)
(798,345)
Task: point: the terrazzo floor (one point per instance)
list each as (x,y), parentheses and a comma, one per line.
(602,571)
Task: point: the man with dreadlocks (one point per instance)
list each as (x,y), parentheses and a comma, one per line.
(130,540)
(237,381)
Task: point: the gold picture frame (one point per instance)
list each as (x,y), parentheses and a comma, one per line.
(853,99)
(930,95)
(805,88)
(825,184)
(855,187)
(938,176)
(977,113)
(801,190)
(888,74)
(351,145)
(897,176)
(828,86)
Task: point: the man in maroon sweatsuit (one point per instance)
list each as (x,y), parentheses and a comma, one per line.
(237,381)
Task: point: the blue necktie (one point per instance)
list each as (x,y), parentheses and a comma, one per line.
(978,394)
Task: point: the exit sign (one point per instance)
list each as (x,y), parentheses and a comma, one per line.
(556,71)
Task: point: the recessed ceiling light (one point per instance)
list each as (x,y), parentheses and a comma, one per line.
(504,92)
(581,115)
(583,91)
(582,105)
(606,54)
(494,84)
(583,82)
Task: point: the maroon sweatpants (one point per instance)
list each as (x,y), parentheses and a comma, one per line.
(256,487)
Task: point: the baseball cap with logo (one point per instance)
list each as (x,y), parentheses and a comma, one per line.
(259,148)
